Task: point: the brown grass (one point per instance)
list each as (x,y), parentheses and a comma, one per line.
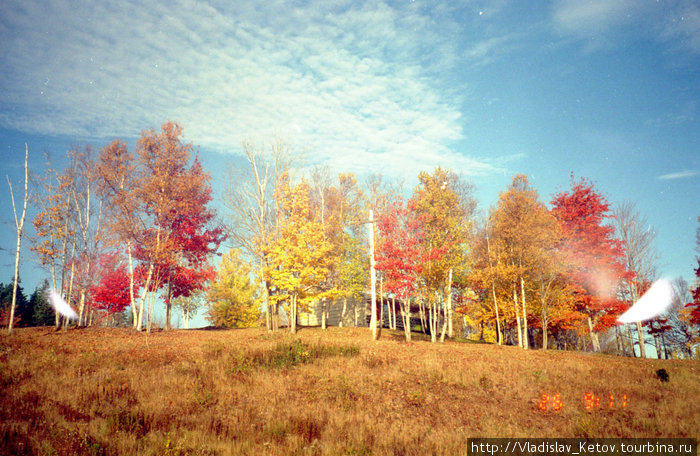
(106,391)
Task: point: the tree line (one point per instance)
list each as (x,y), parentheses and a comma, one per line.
(119,230)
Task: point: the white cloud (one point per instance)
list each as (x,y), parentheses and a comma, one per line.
(585,18)
(337,79)
(605,23)
(679,175)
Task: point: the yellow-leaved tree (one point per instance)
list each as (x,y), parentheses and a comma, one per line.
(232,296)
(300,258)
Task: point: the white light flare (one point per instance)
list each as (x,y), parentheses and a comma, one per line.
(62,306)
(652,304)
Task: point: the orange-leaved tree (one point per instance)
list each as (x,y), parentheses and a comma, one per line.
(525,233)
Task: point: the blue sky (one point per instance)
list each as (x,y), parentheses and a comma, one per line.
(606,89)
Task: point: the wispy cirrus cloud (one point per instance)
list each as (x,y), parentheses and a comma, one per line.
(339,79)
(591,17)
(679,175)
(676,24)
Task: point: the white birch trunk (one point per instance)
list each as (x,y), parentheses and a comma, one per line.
(19,224)
(640,334)
(499,334)
(373,278)
(517,316)
(526,343)
(594,336)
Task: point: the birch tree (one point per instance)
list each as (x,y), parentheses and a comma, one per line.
(524,228)
(19,225)
(637,237)
(53,224)
(253,210)
(443,223)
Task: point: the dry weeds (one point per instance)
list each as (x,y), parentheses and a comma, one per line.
(116,392)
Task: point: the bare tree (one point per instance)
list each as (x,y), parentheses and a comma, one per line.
(682,334)
(637,237)
(250,199)
(19,225)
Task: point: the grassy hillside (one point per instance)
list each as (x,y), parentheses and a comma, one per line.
(106,391)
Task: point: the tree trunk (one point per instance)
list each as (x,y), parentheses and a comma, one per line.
(665,347)
(142,304)
(447,309)
(433,310)
(356,312)
(168,301)
(406,315)
(14,284)
(544,333)
(526,342)
(373,278)
(381,305)
(630,340)
(517,316)
(266,297)
(594,336)
(293,314)
(134,311)
(449,305)
(81,307)
(618,339)
(499,334)
(69,298)
(151,309)
(19,224)
(342,314)
(323,313)
(640,333)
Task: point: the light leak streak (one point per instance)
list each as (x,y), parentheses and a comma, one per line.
(652,304)
(62,306)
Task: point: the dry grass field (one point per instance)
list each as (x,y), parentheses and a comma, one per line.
(333,392)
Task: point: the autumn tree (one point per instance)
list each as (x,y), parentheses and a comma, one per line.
(112,293)
(54,225)
(525,233)
(484,276)
(189,305)
(337,205)
(232,295)
(161,210)
(594,255)
(87,213)
(685,320)
(299,260)
(441,215)
(253,210)
(125,218)
(398,256)
(637,238)
(379,195)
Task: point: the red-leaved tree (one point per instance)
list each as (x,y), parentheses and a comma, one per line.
(597,254)
(112,293)
(398,256)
